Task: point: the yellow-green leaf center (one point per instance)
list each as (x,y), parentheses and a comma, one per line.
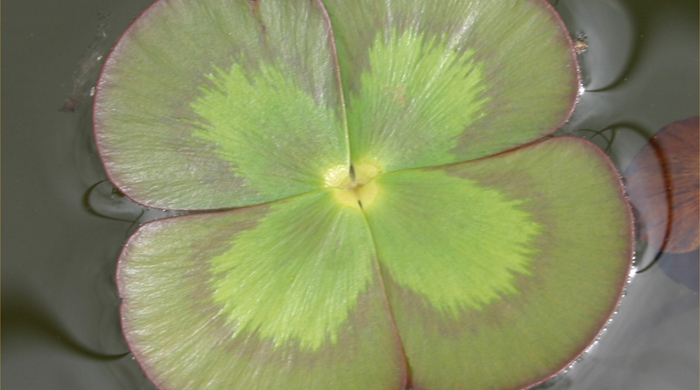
(450,240)
(354,187)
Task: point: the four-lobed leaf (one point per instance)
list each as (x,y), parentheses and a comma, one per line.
(394,235)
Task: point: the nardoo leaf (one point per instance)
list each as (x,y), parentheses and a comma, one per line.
(450,240)
(211,104)
(662,182)
(393,236)
(272,131)
(415,102)
(432,83)
(575,242)
(280,296)
(298,274)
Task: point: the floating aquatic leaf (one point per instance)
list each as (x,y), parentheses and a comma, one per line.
(374,221)
(662,182)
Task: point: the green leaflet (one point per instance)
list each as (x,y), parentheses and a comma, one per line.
(416,98)
(452,241)
(519,49)
(273,133)
(577,266)
(297,275)
(310,311)
(144,116)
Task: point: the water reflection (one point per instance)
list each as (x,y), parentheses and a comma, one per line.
(104,200)
(27,315)
(610,36)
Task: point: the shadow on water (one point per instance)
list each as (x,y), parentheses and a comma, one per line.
(26,315)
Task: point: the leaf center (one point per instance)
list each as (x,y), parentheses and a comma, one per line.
(354,187)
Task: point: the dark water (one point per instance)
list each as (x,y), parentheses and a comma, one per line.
(60,325)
